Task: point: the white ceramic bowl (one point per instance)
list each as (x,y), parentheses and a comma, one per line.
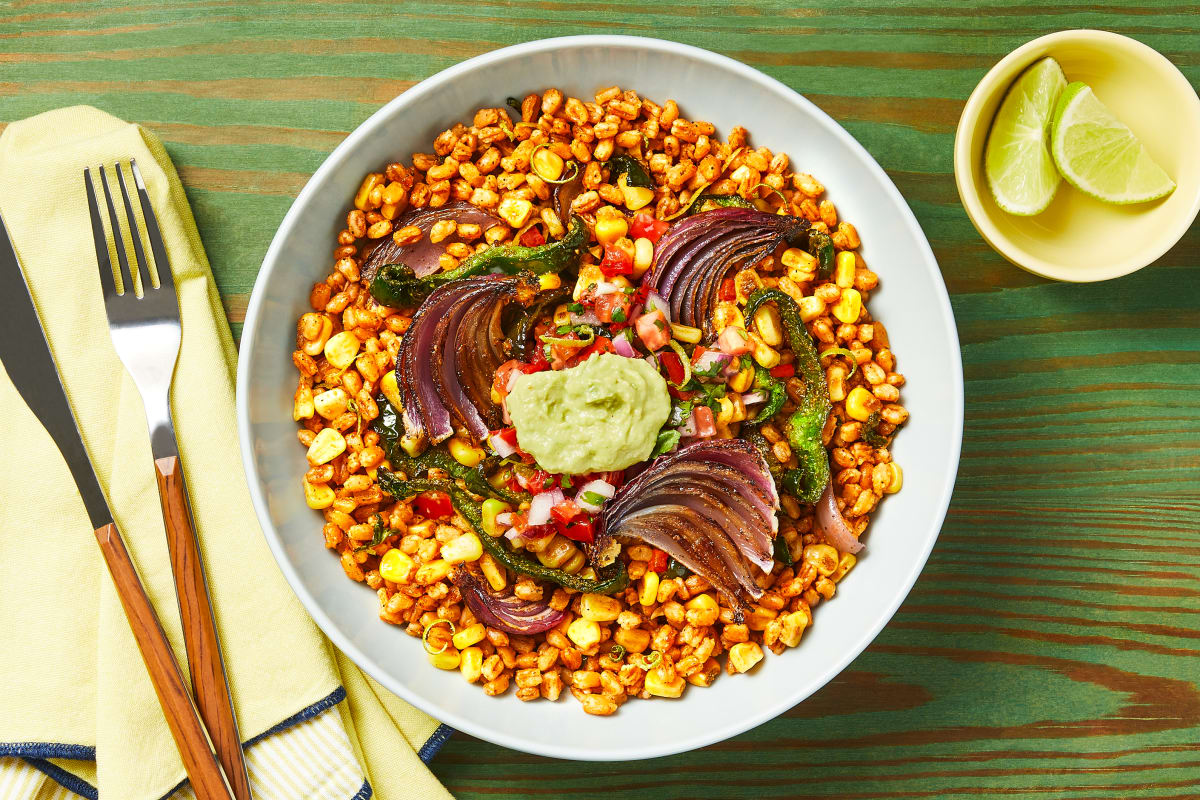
(912,302)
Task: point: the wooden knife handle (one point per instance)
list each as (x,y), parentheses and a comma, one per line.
(202,767)
(209,683)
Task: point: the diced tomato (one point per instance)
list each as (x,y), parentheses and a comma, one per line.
(734,341)
(507,435)
(673,365)
(658,561)
(520,522)
(613,307)
(565,511)
(533,237)
(580,530)
(727,292)
(540,362)
(504,373)
(602,345)
(615,478)
(433,505)
(783,371)
(616,262)
(645,226)
(653,329)
(705,423)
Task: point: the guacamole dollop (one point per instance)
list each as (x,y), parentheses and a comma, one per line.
(604,414)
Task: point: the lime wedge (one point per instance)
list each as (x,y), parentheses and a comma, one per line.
(1017,161)
(1099,155)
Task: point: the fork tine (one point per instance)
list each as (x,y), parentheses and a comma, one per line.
(144,266)
(161,262)
(102,257)
(126,277)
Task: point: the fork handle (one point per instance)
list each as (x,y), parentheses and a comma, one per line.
(201,765)
(199,628)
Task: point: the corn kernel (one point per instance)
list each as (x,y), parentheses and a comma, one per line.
(702,610)
(897,478)
(860,404)
(767,325)
(549,280)
(302,407)
(649,592)
(823,557)
(318,495)
(390,389)
(584,633)
(548,164)
(725,415)
(793,628)
(745,655)
(493,573)
(364,192)
(656,686)
(331,404)
(314,347)
(589,274)
(845,564)
(575,563)
(766,356)
(515,211)
(635,640)
(472,634)
(599,608)
(742,380)
(795,257)
(686,333)
(462,549)
(447,659)
(396,566)
(471,663)
(635,196)
(811,307)
(433,572)
(643,256)
(849,307)
(328,445)
(611,228)
(491,508)
(341,349)
(726,314)
(843,272)
(464,452)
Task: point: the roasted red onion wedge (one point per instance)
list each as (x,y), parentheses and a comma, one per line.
(712,506)
(832,524)
(450,353)
(697,254)
(503,610)
(422,256)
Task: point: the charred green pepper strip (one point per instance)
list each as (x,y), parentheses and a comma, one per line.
(522,335)
(635,174)
(783,553)
(397,285)
(870,431)
(612,579)
(778,394)
(676,570)
(804,427)
(720,201)
(821,245)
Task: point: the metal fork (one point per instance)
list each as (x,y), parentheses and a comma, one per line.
(146,333)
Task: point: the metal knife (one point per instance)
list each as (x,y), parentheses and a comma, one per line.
(26,356)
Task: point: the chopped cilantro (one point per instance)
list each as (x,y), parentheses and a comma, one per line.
(618,315)
(679,414)
(575,308)
(566,482)
(658,323)
(381,533)
(563,330)
(594,498)
(667,441)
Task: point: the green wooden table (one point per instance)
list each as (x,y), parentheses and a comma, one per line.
(1050,647)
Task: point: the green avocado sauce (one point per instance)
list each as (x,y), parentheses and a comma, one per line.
(602,415)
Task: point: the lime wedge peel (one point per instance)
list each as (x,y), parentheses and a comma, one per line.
(1099,155)
(1017,161)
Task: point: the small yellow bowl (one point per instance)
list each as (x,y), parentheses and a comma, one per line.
(1078,238)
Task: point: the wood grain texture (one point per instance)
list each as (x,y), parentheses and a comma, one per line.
(1051,648)
(202,767)
(210,687)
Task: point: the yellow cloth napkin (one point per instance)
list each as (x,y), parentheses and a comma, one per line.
(71,677)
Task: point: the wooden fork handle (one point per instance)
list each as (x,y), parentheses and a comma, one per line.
(199,628)
(202,766)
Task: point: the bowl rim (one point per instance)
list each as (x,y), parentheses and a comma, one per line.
(703,736)
(970,193)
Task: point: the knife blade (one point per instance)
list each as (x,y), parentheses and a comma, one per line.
(26,356)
